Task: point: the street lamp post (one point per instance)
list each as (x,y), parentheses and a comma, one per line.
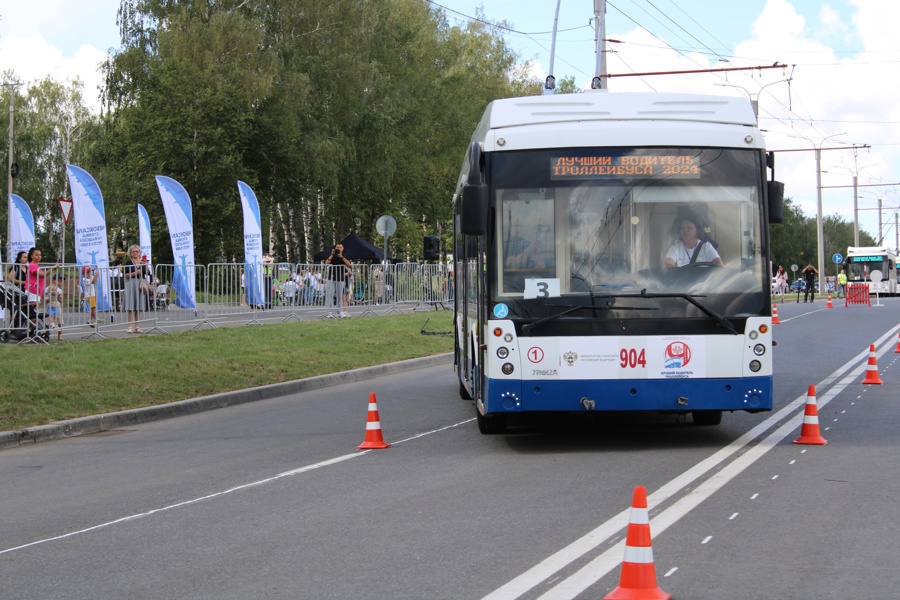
(820,229)
(11,87)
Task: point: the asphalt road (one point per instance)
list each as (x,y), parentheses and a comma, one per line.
(271,499)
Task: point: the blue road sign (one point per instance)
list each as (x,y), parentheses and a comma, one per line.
(837,258)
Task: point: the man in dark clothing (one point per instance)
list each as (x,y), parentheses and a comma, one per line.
(810,272)
(334,281)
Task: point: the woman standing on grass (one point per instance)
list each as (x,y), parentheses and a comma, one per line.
(135,298)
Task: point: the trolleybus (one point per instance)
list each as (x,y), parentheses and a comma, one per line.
(578,284)
(862,260)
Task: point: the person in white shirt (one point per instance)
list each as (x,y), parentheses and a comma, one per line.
(686,250)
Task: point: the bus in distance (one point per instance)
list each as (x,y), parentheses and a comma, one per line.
(862,260)
(611,253)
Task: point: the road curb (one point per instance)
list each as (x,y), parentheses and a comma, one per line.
(107,421)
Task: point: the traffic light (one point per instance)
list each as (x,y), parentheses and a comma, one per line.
(432,247)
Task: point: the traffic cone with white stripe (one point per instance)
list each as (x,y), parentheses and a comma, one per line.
(809,432)
(829,305)
(638,578)
(374,440)
(775,320)
(897,349)
(872,369)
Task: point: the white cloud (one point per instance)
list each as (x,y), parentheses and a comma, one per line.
(61,39)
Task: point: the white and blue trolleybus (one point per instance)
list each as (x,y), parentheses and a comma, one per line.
(611,253)
(862,260)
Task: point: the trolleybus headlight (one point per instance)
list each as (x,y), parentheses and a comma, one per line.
(755,365)
(753,335)
(508,338)
(502,352)
(763,328)
(497,332)
(759,349)
(507,368)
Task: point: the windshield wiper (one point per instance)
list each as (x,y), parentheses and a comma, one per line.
(529,327)
(707,311)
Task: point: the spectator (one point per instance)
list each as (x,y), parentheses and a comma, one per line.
(781,283)
(89,290)
(810,273)
(268,278)
(336,266)
(378,278)
(136,288)
(18,271)
(348,289)
(312,281)
(35,279)
(54,305)
(18,275)
(289,292)
(116,284)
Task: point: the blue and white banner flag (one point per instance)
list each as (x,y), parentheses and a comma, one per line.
(21,226)
(144,233)
(253,253)
(91,248)
(177,205)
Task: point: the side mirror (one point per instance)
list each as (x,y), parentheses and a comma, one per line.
(475,201)
(474,208)
(775,192)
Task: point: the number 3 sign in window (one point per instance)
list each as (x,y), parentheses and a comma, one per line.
(541,288)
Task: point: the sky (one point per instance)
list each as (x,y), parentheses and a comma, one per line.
(838,90)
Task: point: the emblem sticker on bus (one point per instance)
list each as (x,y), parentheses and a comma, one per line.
(501,310)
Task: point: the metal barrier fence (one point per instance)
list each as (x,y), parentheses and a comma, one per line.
(179,296)
(857,293)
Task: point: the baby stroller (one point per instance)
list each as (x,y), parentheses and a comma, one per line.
(23,321)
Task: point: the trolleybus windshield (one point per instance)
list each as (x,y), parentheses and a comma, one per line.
(574,226)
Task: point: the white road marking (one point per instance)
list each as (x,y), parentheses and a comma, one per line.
(611,558)
(307,468)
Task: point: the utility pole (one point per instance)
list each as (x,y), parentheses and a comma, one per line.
(599,81)
(11,87)
(820,234)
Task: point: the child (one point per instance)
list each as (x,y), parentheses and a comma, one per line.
(54,305)
(88,284)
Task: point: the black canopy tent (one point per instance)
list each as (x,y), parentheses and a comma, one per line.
(355,248)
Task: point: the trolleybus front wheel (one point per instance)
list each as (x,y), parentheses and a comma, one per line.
(706,417)
(489,425)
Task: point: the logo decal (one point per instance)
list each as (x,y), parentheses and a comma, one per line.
(677,356)
(501,310)
(570,358)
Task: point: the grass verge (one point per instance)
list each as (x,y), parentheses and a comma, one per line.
(75,379)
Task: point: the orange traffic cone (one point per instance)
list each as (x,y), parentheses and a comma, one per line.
(872,369)
(897,349)
(775,320)
(809,432)
(373,440)
(829,305)
(638,578)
